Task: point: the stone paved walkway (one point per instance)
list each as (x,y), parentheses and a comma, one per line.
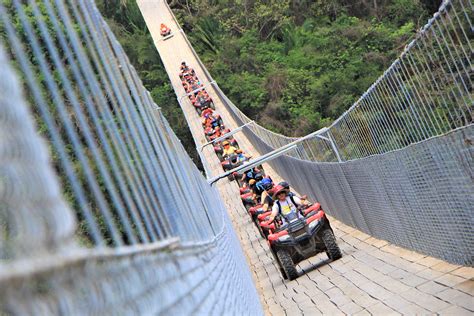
(373,277)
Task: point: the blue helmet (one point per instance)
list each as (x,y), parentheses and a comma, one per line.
(265,184)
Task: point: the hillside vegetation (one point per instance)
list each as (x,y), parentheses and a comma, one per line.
(293,65)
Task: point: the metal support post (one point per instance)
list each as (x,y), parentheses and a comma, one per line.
(271,155)
(207,170)
(201,148)
(227,135)
(333,145)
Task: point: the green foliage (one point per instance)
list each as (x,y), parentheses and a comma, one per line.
(126,22)
(131,28)
(405,11)
(294,66)
(297,65)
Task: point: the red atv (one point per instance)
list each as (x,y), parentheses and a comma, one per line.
(233,161)
(247,198)
(301,238)
(213,121)
(188,75)
(202,102)
(218,149)
(164,30)
(213,133)
(257,211)
(257,174)
(244,190)
(266,227)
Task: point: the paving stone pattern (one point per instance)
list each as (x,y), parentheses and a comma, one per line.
(372,278)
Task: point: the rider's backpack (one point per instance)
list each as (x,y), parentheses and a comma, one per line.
(253,174)
(263,184)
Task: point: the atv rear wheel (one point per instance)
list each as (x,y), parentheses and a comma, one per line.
(212,106)
(260,230)
(332,249)
(287,264)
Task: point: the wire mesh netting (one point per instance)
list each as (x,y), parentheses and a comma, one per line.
(398,164)
(110,216)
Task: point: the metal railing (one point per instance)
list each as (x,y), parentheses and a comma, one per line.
(110,215)
(402,154)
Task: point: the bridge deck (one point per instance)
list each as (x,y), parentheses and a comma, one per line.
(373,277)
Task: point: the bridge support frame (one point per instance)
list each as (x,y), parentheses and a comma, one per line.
(272,155)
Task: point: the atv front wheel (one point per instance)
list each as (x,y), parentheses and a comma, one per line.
(332,249)
(287,264)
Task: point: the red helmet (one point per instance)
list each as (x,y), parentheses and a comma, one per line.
(277,190)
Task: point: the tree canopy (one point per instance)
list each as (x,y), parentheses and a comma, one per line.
(292,65)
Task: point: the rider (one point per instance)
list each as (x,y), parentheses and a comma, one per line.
(207,112)
(241,156)
(261,186)
(164,28)
(208,119)
(211,120)
(228,149)
(286,185)
(204,95)
(251,184)
(186,72)
(285,205)
(253,173)
(214,132)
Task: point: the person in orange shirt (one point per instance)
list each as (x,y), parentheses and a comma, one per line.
(164,30)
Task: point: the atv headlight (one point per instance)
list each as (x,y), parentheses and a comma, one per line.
(284,238)
(313,224)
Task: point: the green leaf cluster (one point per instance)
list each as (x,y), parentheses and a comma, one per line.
(295,66)
(126,22)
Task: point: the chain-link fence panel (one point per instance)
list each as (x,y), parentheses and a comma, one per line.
(398,163)
(110,216)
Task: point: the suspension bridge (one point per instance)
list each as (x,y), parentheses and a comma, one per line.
(86,229)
